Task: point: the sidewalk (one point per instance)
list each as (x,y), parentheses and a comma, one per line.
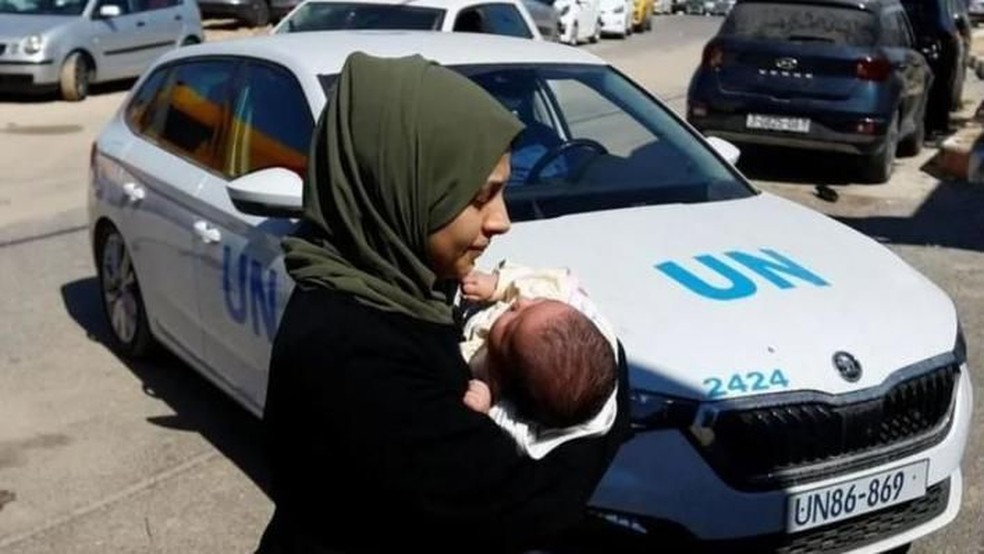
(961,154)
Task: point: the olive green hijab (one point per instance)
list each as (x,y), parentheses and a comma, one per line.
(403,147)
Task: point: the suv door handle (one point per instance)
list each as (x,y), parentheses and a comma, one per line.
(207,233)
(178,17)
(141,23)
(133,193)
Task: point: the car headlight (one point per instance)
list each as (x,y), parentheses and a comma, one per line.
(32,44)
(651,411)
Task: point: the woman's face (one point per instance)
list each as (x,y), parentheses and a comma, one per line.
(453,249)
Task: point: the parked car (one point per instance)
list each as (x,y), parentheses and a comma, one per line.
(662,7)
(831,412)
(616,17)
(831,75)
(975,10)
(642,15)
(722,7)
(252,13)
(937,28)
(70,44)
(580,21)
(497,17)
(546,18)
(699,7)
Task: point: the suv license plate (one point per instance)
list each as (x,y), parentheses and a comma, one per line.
(856,497)
(775,123)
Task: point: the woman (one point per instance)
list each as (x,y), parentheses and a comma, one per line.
(364,408)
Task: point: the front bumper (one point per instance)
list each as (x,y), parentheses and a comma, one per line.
(21,76)
(658,480)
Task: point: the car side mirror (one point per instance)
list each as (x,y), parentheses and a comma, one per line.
(109,11)
(272,192)
(728,151)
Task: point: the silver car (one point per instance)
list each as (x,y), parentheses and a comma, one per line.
(546,18)
(66,45)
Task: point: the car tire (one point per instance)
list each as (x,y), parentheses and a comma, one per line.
(912,145)
(597,34)
(122,302)
(258,14)
(574,32)
(75,77)
(188,41)
(877,168)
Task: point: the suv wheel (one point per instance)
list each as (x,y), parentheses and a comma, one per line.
(76,73)
(912,144)
(122,302)
(877,168)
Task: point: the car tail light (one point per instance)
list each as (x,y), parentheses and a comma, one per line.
(873,69)
(713,56)
(698,109)
(866,126)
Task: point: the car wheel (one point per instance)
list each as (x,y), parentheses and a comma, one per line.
(75,76)
(122,302)
(649,23)
(188,41)
(597,34)
(877,168)
(574,33)
(258,14)
(912,144)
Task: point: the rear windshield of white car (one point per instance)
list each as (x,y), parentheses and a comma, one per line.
(332,16)
(42,7)
(595,141)
(801,22)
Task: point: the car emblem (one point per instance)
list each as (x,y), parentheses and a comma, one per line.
(848,366)
(787,64)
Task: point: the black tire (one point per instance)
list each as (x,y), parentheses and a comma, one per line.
(188,41)
(912,145)
(75,77)
(121,297)
(597,34)
(574,32)
(257,14)
(956,91)
(877,168)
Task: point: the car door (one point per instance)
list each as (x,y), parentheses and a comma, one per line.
(243,286)
(899,45)
(163,26)
(177,128)
(117,40)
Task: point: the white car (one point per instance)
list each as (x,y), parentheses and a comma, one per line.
(794,383)
(616,17)
(498,17)
(580,21)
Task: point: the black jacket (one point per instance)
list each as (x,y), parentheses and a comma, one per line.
(370,443)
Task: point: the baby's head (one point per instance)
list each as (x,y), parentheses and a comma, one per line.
(551,362)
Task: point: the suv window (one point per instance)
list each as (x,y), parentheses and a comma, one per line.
(196,106)
(801,22)
(496,19)
(893,33)
(271,123)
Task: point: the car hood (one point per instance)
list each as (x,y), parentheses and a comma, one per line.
(705,291)
(16,27)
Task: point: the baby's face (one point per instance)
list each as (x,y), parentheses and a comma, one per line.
(522,321)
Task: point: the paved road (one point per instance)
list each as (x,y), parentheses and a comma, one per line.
(97,455)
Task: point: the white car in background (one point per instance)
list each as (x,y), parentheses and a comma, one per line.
(580,21)
(616,17)
(794,384)
(497,17)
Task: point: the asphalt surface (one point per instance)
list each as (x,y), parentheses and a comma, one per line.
(98,455)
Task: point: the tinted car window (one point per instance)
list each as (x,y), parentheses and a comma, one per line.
(271,123)
(496,19)
(335,16)
(197,105)
(145,104)
(801,22)
(43,7)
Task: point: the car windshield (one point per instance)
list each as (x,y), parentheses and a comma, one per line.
(42,7)
(801,22)
(334,16)
(595,141)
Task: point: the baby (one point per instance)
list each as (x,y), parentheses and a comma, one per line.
(543,359)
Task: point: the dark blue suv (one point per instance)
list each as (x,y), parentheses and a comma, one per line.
(827,75)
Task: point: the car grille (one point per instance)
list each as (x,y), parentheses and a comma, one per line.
(763,448)
(847,535)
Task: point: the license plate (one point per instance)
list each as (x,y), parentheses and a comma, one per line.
(775,123)
(856,497)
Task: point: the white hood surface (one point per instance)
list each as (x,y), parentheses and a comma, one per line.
(845,292)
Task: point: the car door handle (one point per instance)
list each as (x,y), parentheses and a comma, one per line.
(134,193)
(140,23)
(207,233)
(178,17)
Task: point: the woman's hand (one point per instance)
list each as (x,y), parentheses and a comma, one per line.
(479,286)
(478,397)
